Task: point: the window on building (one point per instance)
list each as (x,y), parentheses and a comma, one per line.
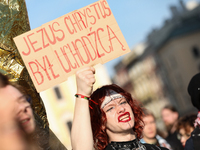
(195,52)
(69,125)
(58,93)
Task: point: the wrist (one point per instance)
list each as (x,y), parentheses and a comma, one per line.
(86,98)
(82,96)
(87,94)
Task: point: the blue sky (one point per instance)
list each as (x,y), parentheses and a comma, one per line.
(136,18)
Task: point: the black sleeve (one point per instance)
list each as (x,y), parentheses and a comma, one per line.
(108,147)
(196,138)
(189,144)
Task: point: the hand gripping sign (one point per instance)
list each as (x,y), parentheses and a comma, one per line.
(57,49)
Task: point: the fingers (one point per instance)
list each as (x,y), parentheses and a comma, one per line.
(90,69)
(86,73)
(90,79)
(85,79)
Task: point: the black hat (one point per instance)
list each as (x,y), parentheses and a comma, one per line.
(194,90)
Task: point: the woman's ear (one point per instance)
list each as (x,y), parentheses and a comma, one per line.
(103,128)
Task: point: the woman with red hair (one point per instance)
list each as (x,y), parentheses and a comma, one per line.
(113,122)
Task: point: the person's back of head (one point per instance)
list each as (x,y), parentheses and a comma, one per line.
(194,90)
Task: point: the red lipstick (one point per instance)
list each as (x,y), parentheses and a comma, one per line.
(125,117)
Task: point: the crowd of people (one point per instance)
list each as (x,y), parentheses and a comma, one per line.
(108,118)
(150,131)
(116,121)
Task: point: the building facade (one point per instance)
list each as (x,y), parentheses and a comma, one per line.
(168,59)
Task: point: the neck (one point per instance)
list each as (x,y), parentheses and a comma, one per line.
(150,140)
(120,137)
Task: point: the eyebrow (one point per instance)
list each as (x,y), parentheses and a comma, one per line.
(109,104)
(121,99)
(21,97)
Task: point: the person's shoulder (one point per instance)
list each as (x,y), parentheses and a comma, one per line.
(189,144)
(152,146)
(108,147)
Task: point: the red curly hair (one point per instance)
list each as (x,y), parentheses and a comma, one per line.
(98,117)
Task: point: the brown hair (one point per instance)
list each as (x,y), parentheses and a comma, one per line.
(148,113)
(3,80)
(186,122)
(170,107)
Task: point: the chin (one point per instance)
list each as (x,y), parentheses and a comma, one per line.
(30,129)
(151,137)
(129,125)
(132,123)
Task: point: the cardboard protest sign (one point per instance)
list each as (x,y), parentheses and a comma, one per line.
(57,49)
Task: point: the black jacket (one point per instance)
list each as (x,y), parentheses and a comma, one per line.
(129,145)
(193,143)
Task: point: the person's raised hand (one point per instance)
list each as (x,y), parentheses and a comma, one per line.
(84,80)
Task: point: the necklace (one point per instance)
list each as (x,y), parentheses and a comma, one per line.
(132,145)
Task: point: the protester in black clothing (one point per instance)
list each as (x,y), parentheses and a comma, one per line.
(193,143)
(114,121)
(170,117)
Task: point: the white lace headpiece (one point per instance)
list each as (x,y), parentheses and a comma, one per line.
(111,95)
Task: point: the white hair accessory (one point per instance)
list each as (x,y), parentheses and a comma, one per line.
(111,95)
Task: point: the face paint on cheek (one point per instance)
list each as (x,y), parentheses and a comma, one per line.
(131,120)
(129,123)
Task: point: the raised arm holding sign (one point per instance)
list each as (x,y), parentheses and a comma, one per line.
(57,49)
(106,119)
